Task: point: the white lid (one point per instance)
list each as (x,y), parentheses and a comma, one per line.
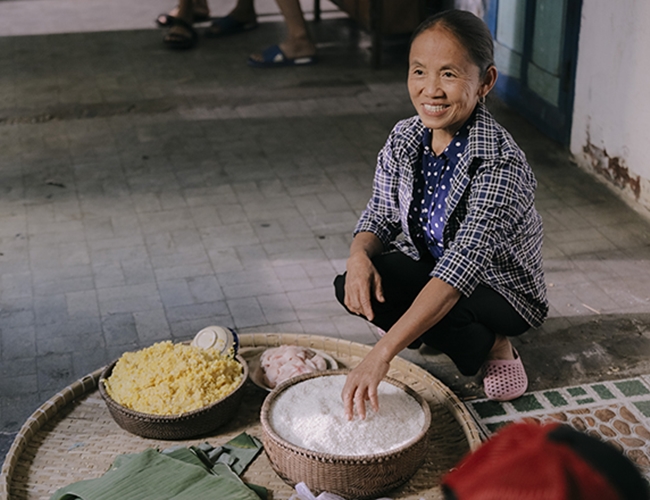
(216,337)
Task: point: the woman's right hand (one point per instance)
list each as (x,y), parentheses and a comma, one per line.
(361,384)
(362,284)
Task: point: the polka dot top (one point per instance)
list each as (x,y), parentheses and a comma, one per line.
(431,189)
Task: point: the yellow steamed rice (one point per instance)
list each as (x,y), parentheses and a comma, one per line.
(170,379)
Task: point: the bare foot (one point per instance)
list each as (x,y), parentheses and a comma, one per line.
(502,349)
(291,51)
(180,36)
(178,32)
(298,48)
(200,10)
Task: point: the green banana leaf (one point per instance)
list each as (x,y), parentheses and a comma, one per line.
(175,474)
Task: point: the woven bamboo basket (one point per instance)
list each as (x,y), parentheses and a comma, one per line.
(358,477)
(73,437)
(172,427)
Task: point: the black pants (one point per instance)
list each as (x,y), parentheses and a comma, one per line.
(466,334)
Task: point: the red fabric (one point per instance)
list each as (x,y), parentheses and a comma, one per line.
(519,463)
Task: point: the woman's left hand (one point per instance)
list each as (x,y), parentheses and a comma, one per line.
(361,385)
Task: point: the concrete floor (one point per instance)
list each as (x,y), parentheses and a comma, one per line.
(145,194)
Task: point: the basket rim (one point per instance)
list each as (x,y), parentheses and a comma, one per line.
(330,457)
(152,417)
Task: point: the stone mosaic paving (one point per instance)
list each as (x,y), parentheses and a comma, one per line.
(617,412)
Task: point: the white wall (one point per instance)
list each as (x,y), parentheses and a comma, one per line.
(611,119)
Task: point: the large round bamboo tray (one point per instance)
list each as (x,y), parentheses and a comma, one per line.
(359,477)
(73,437)
(184,426)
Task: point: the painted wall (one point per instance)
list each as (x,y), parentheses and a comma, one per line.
(611,120)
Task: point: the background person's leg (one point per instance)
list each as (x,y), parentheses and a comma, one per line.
(296,49)
(198,9)
(181,34)
(240,19)
(244,11)
(298,42)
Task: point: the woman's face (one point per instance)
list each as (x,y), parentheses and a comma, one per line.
(444,83)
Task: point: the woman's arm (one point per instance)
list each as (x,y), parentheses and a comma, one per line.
(362,281)
(430,306)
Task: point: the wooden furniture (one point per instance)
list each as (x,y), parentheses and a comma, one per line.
(385,17)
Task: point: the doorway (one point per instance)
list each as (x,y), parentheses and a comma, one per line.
(536,49)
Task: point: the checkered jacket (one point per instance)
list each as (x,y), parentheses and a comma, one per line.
(493,234)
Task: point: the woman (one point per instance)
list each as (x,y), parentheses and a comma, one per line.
(448,249)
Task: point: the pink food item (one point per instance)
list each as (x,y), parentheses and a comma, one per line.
(286,361)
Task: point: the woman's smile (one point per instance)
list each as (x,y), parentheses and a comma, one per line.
(435,109)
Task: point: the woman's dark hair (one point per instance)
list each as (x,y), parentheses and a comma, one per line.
(471,32)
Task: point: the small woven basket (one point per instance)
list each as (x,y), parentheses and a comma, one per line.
(174,427)
(359,477)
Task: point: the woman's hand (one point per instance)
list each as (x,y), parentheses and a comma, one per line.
(362,281)
(362,284)
(361,384)
(430,306)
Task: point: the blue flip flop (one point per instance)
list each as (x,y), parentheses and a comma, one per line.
(273,57)
(227,25)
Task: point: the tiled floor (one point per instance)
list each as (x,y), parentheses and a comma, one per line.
(139,203)
(616,411)
(145,194)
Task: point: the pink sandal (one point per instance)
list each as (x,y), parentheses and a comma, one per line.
(504,379)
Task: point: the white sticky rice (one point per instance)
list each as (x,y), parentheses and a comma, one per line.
(311,415)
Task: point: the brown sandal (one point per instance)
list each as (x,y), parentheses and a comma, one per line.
(181,41)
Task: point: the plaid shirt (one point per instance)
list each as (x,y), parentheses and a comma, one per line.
(493,234)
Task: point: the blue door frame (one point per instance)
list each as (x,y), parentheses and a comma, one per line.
(554,121)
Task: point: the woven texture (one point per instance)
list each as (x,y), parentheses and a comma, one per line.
(366,476)
(73,436)
(185,426)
